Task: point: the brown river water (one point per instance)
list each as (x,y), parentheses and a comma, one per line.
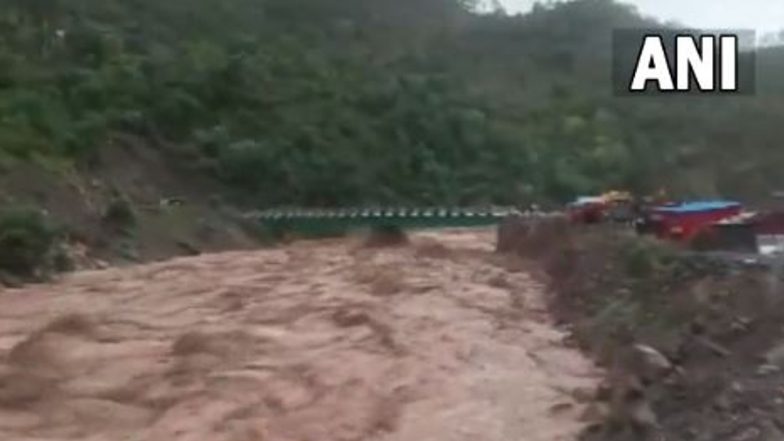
(314,341)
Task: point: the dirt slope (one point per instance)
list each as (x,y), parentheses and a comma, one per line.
(316,341)
(176,211)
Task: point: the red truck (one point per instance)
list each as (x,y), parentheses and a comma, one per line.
(684,221)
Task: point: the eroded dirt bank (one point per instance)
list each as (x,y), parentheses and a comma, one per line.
(315,341)
(693,342)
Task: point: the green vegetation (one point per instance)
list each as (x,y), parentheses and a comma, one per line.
(643,257)
(28,242)
(120,213)
(334,102)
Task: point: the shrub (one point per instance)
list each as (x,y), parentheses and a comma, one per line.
(643,257)
(27,239)
(120,213)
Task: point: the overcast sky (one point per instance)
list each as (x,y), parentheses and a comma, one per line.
(761,15)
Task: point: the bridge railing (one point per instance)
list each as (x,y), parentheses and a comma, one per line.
(381,213)
(317,221)
(384,212)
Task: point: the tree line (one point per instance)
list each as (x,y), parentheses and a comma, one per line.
(349,102)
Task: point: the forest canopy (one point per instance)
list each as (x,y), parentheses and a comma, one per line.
(336,102)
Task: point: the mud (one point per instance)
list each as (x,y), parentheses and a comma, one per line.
(176,212)
(692,342)
(327,340)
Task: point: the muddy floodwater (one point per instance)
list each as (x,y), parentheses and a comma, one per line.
(438,340)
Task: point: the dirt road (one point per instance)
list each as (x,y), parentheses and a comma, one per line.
(320,341)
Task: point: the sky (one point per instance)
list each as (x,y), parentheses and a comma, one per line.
(760,15)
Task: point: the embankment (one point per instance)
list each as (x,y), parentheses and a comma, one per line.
(693,344)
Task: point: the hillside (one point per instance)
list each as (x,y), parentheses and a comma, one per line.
(337,102)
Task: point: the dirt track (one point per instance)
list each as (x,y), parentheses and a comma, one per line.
(321,341)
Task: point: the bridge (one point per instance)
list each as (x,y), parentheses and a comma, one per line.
(333,221)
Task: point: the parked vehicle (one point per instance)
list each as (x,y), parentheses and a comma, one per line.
(683,221)
(615,206)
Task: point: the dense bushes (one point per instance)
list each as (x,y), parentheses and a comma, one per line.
(120,213)
(347,102)
(28,242)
